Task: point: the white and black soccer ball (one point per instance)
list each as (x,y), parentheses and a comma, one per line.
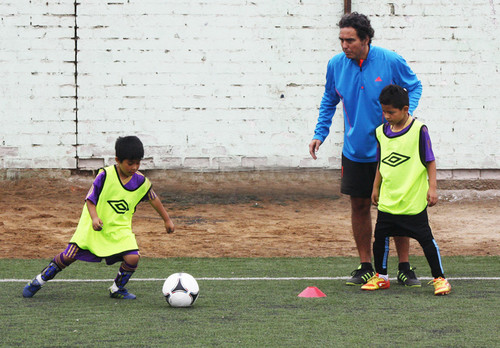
(181,290)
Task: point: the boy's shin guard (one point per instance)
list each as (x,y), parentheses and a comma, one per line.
(122,278)
(50,271)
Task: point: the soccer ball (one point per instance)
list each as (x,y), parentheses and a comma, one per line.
(180,290)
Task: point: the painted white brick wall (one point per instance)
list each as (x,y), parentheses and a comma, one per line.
(454,48)
(37,84)
(215,85)
(230,84)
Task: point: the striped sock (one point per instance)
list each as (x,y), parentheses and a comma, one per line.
(62,260)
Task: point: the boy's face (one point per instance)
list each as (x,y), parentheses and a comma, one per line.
(394,115)
(128,167)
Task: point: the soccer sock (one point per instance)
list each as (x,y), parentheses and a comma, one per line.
(48,273)
(404,266)
(367,265)
(431,252)
(124,273)
(384,276)
(128,267)
(62,260)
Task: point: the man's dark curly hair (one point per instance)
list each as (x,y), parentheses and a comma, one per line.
(360,23)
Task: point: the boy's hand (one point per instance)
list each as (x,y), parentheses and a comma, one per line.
(160,209)
(169,226)
(432,197)
(97,224)
(375,197)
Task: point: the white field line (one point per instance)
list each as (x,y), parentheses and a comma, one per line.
(231,279)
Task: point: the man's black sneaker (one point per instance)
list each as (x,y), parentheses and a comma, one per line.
(360,276)
(408,278)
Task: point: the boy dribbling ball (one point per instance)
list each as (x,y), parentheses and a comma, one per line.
(405,184)
(105,227)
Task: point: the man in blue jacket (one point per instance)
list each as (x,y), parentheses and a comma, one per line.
(356,77)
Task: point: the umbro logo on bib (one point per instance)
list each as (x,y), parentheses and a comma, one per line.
(121,206)
(395,159)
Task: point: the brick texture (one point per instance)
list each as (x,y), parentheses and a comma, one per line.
(227,84)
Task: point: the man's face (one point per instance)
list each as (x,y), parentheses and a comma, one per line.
(352,45)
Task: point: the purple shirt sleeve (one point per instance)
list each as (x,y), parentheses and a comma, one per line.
(96,188)
(426,145)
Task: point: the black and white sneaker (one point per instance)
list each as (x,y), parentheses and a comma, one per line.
(408,278)
(360,276)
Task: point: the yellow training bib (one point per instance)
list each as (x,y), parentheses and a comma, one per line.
(115,207)
(404,177)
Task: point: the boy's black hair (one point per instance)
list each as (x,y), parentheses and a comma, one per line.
(129,147)
(360,23)
(394,95)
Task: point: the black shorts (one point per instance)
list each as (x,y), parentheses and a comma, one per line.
(413,226)
(357,178)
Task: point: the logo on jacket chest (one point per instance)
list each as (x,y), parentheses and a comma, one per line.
(120,207)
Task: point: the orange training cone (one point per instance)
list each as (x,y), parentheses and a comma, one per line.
(312,291)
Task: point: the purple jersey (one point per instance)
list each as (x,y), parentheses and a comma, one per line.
(135,181)
(425,143)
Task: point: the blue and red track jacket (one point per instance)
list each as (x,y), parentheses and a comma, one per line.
(359,88)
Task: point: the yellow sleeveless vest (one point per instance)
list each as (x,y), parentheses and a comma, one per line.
(404,177)
(116,207)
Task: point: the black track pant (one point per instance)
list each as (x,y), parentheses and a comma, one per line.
(413,226)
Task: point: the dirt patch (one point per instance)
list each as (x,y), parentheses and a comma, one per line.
(244,214)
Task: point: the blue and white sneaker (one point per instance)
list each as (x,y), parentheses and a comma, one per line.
(31,288)
(122,294)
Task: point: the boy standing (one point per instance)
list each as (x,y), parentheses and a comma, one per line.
(401,190)
(356,77)
(105,227)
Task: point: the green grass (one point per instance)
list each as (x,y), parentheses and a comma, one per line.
(252,313)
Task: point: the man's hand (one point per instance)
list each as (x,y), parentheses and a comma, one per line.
(314,147)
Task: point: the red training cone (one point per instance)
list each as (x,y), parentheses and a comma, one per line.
(312,291)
